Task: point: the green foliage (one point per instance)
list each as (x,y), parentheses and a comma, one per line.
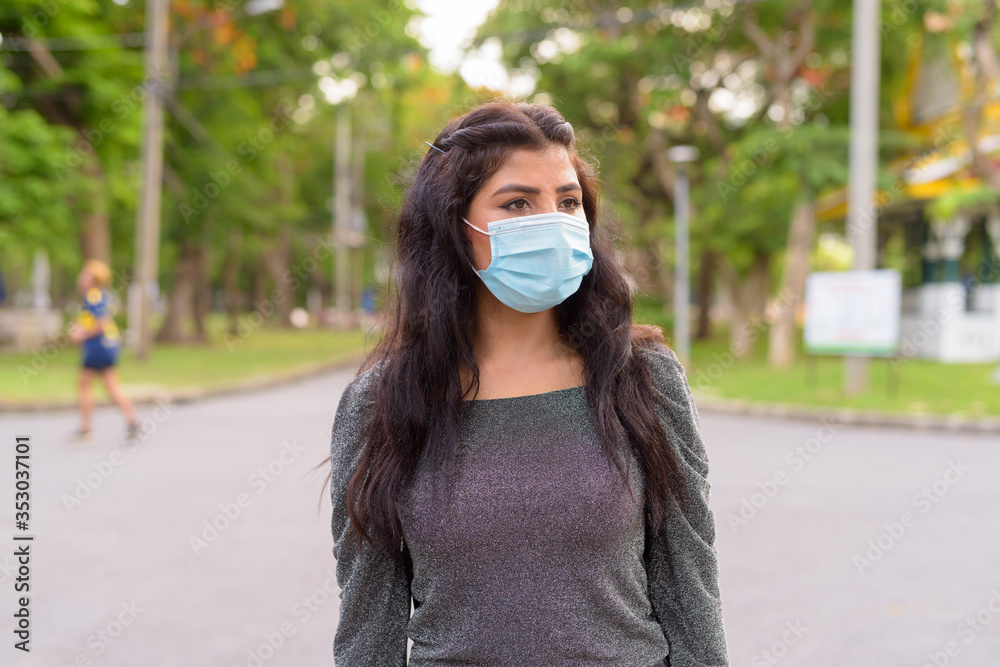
(35,214)
(949,204)
(250,126)
(248,135)
(636,77)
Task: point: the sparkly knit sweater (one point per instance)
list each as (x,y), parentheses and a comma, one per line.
(539,555)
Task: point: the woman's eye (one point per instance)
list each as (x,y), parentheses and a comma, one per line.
(517,205)
(572,203)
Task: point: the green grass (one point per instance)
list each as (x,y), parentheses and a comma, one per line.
(28,377)
(920,386)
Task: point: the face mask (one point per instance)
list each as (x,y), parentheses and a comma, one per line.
(538,260)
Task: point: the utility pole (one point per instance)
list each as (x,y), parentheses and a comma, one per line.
(862,215)
(682,156)
(342,209)
(147,237)
(359,223)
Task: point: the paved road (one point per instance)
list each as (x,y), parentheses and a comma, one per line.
(120,578)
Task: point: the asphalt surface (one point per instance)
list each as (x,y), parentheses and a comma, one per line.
(208,543)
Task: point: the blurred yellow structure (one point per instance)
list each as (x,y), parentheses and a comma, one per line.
(951,309)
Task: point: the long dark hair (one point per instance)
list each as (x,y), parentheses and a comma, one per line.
(418,393)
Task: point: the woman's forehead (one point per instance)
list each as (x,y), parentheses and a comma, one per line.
(541,166)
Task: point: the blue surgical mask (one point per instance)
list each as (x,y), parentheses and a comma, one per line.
(538,260)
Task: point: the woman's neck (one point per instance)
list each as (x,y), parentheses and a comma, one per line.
(505,338)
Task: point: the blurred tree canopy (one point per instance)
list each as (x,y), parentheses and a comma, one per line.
(248,164)
(760,88)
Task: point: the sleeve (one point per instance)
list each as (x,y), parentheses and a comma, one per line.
(92,310)
(374,589)
(96,302)
(681,560)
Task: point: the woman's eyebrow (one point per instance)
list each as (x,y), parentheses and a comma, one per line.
(527,189)
(516,187)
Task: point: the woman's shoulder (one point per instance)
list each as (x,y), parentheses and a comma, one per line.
(360,391)
(353,410)
(648,344)
(670,383)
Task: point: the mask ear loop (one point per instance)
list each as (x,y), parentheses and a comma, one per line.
(474,269)
(476,228)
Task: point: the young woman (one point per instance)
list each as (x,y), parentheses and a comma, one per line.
(516,455)
(95,331)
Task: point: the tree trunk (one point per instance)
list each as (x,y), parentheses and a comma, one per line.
(231,279)
(649,270)
(202,293)
(258,287)
(663,275)
(643,257)
(748,295)
(781,343)
(95,239)
(706,275)
(181,299)
(276,261)
(277,257)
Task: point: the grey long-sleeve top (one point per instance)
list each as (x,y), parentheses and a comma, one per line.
(541,557)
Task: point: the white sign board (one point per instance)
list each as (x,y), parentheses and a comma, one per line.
(853,312)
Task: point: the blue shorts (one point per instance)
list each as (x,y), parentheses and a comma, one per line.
(98,356)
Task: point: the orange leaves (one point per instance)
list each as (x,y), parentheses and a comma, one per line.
(212,37)
(225,34)
(815,77)
(413,62)
(245,53)
(288,17)
(185,8)
(678,114)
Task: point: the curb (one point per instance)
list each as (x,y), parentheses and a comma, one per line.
(704,404)
(181,396)
(926,422)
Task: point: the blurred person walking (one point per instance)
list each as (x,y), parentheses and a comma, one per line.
(575,528)
(95,331)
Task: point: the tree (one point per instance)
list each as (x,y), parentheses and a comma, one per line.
(74,85)
(638,77)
